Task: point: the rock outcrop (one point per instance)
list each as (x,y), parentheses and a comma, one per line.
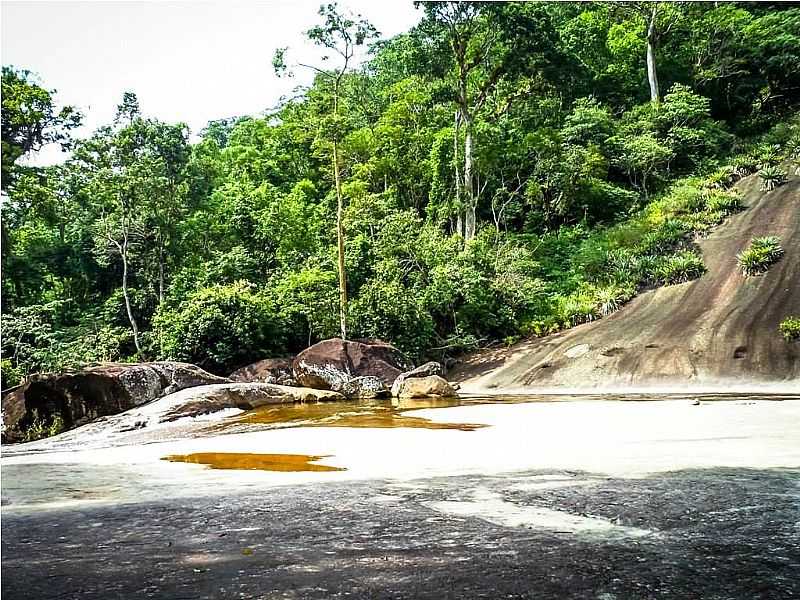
(244,396)
(429,368)
(269,370)
(105,389)
(426,387)
(330,364)
(716,333)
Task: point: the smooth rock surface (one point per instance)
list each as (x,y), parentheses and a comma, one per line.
(96,391)
(429,368)
(269,370)
(424,387)
(716,333)
(329,364)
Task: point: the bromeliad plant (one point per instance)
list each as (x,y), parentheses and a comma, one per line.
(790,329)
(762,253)
(771,177)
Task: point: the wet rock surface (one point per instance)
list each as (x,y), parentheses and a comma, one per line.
(710,533)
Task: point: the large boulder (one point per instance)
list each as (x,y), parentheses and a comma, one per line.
(77,397)
(426,387)
(429,368)
(269,370)
(245,396)
(330,364)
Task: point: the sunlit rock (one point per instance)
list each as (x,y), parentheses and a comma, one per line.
(423,387)
(429,368)
(269,370)
(330,364)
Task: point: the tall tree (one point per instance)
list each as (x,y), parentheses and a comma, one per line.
(340,33)
(659,19)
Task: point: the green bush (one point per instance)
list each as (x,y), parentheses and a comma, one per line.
(723,202)
(760,255)
(771,177)
(790,328)
(40,428)
(221,327)
(679,268)
(576,308)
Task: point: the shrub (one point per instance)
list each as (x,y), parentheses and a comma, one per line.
(577,308)
(760,255)
(221,327)
(767,155)
(771,177)
(744,165)
(722,178)
(790,328)
(679,268)
(40,428)
(610,298)
(723,202)
(664,238)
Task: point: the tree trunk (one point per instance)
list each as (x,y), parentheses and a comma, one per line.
(652,38)
(457,175)
(161,272)
(469,189)
(340,243)
(131,318)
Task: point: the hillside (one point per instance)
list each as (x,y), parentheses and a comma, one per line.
(717,332)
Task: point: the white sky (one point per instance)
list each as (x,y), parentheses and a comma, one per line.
(186,61)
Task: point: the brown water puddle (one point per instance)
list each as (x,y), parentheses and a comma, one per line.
(338,414)
(260,462)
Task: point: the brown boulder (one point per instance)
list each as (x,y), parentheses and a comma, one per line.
(424,387)
(330,364)
(105,389)
(269,370)
(429,368)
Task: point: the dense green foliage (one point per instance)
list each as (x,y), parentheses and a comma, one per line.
(760,255)
(503,173)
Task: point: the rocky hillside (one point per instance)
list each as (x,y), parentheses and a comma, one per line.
(717,332)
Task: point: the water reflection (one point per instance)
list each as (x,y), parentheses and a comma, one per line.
(399,412)
(260,462)
(372,414)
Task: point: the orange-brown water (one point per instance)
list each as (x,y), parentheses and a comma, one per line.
(369,415)
(261,462)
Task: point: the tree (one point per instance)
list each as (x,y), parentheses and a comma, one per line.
(340,33)
(30,120)
(659,18)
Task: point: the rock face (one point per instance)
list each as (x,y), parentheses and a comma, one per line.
(429,368)
(245,396)
(424,387)
(104,389)
(368,386)
(330,364)
(269,370)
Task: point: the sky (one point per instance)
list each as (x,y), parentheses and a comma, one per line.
(188,61)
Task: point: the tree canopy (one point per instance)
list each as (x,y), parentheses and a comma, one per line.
(500,170)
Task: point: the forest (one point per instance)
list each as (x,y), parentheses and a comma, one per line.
(500,171)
